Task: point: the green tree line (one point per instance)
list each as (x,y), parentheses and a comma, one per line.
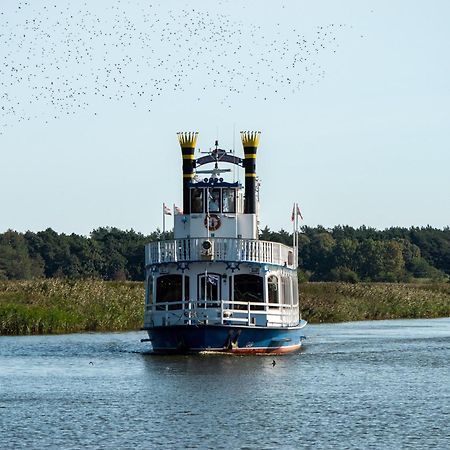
(344,253)
(339,254)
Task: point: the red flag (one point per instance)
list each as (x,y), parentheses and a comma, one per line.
(293,213)
(177,210)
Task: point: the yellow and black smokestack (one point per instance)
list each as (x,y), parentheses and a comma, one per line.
(187,142)
(250,141)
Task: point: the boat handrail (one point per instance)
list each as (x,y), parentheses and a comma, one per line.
(229,250)
(220,302)
(186,312)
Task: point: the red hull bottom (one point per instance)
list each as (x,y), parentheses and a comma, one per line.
(255,351)
(265,351)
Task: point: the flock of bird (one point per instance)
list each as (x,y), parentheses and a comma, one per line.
(62,57)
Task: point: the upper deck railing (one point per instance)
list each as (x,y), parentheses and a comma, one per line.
(220,250)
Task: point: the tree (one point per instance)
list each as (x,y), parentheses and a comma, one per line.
(321,255)
(370,260)
(344,254)
(15,261)
(394,263)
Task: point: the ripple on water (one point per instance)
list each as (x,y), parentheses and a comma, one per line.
(364,385)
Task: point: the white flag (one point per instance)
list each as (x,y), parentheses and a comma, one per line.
(299,212)
(167,210)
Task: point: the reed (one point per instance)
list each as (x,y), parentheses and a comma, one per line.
(342,302)
(67,306)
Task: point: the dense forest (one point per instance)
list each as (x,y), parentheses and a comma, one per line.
(339,254)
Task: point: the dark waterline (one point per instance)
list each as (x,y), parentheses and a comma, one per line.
(383,384)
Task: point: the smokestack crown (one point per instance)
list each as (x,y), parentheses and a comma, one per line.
(250,138)
(187,139)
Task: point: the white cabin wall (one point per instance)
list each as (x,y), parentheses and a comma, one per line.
(182,226)
(231,226)
(247,226)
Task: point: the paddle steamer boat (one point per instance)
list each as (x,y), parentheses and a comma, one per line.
(216,286)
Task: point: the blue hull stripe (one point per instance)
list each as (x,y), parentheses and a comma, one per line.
(224,338)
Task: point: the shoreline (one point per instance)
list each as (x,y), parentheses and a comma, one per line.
(55,306)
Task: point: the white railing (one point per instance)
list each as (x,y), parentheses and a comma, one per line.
(222,249)
(222,313)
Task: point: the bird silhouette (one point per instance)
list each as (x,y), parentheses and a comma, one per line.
(62,58)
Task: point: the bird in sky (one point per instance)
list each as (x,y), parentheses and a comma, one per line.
(65,57)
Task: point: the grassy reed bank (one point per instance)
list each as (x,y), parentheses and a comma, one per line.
(342,302)
(64,306)
(58,306)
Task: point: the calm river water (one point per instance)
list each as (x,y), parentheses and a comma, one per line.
(383,384)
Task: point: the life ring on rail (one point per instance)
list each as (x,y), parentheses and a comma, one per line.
(214,222)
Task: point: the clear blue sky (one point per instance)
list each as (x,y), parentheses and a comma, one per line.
(352,99)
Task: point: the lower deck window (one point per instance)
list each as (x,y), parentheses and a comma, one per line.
(209,290)
(295,292)
(272,291)
(169,289)
(248,288)
(149,290)
(286,293)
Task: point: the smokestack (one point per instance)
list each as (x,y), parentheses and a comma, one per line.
(250,141)
(187,142)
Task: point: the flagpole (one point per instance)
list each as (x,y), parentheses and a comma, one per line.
(206,281)
(293,226)
(294,216)
(164,220)
(207,212)
(296,234)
